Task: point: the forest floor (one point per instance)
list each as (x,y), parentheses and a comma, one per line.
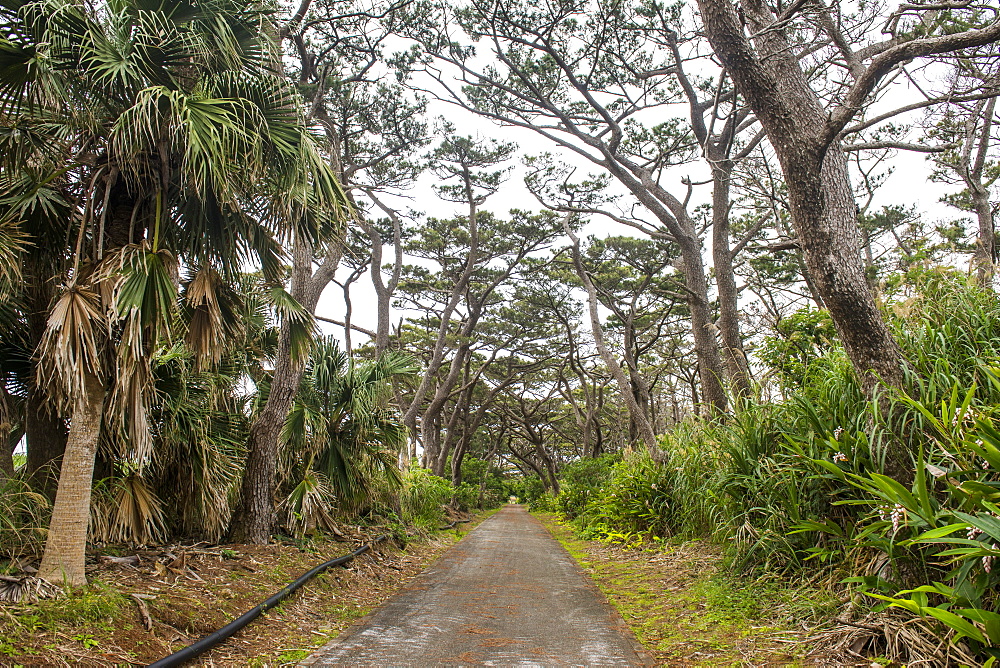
(136,614)
(687,612)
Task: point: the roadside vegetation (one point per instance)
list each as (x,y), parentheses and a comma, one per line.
(706,312)
(688,609)
(154,601)
(793,488)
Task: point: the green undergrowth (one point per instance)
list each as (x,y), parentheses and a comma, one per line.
(95,607)
(685,609)
(890,499)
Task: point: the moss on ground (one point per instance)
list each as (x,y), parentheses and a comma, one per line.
(687,612)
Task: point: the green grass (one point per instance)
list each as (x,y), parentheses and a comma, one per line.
(683,608)
(96,606)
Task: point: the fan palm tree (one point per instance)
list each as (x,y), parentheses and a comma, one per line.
(167,133)
(342,435)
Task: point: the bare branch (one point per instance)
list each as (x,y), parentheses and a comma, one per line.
(356,328)
(887,60)
(903,146)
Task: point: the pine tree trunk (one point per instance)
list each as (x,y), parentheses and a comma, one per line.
(673,214)
(768,75)
(65,547)
(254,515)
(985,252)
(824,214)
(706,345)
(624,386)
(725,278)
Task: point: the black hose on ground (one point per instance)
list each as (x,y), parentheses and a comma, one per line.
(213,639)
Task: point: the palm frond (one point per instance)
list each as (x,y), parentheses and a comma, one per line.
(145,287)
(214,318)
(309,505)
(299,321)
(125,510)
(70,349)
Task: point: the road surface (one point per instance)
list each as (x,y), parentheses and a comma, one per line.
(507,595)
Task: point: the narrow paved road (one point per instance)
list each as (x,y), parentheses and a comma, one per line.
(507,595)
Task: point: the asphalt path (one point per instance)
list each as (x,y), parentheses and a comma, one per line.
(507,595)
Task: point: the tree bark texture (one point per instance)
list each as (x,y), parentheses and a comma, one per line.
(725,278)
(65,549)
(254,515)
(7,458)
(821,200)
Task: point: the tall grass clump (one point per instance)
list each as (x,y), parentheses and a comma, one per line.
(24,516)
(631,495)
(423,498)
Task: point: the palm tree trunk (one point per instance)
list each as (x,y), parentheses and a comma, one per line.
(65,548)
(6,462)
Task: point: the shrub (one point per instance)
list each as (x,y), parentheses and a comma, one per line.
(941,536)
(423,498)
(487,486)
(581,481)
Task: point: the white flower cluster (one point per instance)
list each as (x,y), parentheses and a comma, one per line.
(988,559)
(894,514)
(837,432)
(839,457)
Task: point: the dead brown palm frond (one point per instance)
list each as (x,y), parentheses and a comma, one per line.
(307,507)
(894,635)
(127,511)
(27,589)
(133,392)
(214,316)
(71,344)
(142,283)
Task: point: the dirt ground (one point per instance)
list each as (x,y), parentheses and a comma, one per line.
(157,601)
